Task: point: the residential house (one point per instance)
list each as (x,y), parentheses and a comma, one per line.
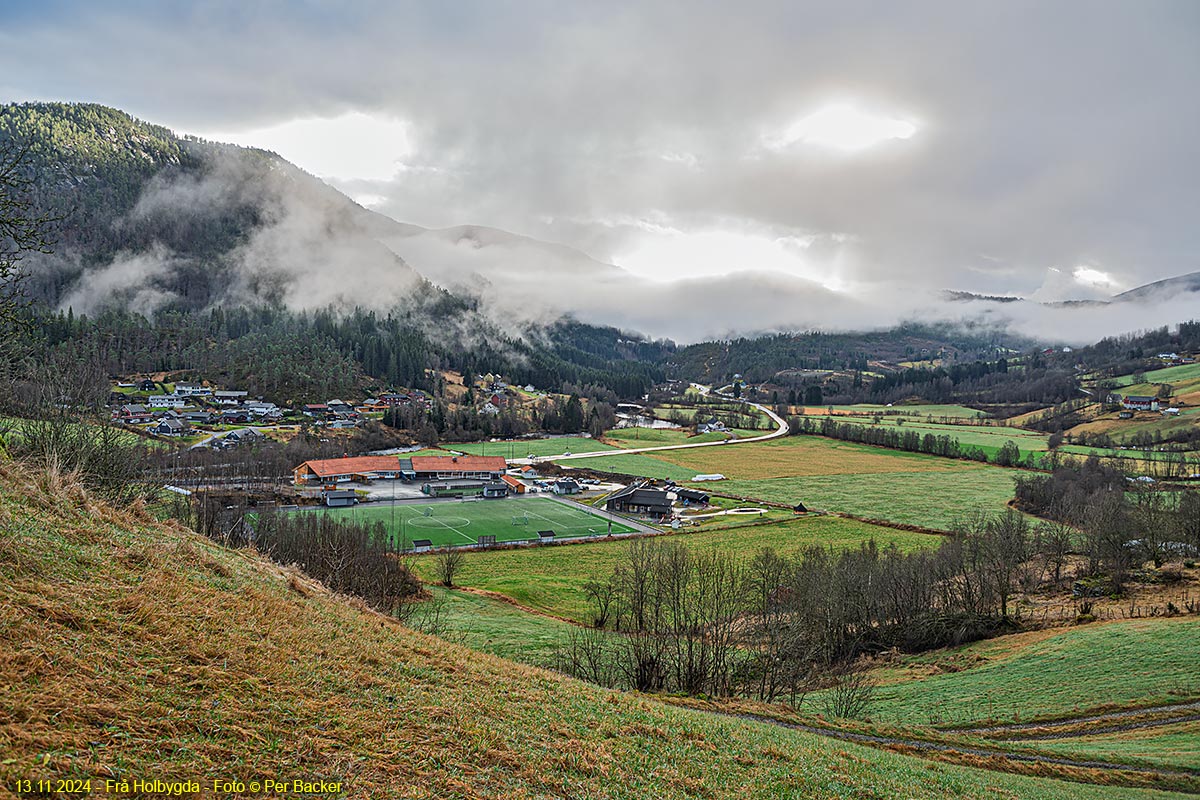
(372,405)
(165,401)
(566,486)
(244,435)
(339,407)
(192,390)
(259,408)
(316,410)
(229,398)
(1135,402)
(489,409)
(133,415)
(147,385)
(169,427)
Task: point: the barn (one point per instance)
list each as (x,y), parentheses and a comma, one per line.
(639,500)
(692,497)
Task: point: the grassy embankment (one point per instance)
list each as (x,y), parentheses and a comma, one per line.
(1048,674)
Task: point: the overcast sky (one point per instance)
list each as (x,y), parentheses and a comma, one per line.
(1046,148)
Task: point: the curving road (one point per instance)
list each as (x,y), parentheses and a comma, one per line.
(781,430)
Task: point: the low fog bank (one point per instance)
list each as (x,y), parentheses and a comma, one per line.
(304,244)
(521,279)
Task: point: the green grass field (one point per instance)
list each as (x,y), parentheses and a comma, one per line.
(1171,746)
(493,626)
(454,522)
(930,499)
(641,465)
(522,448)
(1182,373)
(551,578)
(1047,675)
(871,482)
(919,410)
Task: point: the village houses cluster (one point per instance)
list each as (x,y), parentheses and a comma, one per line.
(178,409)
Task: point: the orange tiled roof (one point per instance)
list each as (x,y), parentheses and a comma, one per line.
(459,463)
(354,465)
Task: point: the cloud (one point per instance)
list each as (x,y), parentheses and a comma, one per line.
(130,281)
(1046,134)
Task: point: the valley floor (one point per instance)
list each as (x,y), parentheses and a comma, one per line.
(133,649)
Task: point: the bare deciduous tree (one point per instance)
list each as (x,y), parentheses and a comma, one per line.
(448,563)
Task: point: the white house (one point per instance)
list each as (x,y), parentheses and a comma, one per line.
(229,398)
(165,401)
(191,390)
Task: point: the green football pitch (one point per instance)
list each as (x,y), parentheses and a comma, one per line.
(451,522)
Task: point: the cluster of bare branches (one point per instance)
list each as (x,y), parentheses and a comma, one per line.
(773,627)
(23,229)
(347,557)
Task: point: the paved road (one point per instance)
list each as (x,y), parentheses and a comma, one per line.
(781,430)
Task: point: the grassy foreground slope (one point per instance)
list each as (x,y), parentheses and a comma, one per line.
(1045,675)
(139,650)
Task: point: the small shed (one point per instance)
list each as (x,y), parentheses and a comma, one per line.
(546,536)
(692,497)
(800,508)
(339,498)
(422,545)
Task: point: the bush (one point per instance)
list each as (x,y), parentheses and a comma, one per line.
(347,557)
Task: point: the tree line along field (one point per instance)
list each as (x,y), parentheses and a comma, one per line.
(990,438)
(456,522)
(551,579)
